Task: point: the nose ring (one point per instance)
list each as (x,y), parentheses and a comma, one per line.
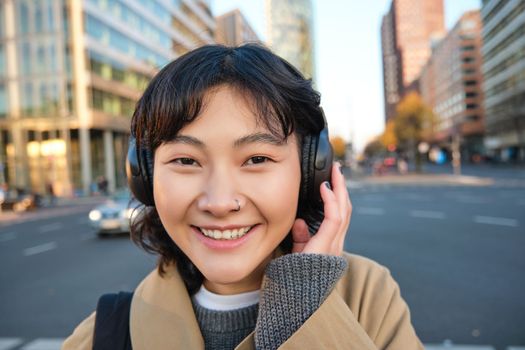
(238,205)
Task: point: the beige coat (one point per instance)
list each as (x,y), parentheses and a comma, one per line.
(365,311)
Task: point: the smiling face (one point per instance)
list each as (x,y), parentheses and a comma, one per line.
(221,161)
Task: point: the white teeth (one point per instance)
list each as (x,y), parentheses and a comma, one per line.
(226,234)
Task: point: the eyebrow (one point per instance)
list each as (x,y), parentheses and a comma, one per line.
(258,137)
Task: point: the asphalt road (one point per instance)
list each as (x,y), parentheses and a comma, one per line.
(456,252)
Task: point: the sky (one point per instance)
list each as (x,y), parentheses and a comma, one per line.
(348,58)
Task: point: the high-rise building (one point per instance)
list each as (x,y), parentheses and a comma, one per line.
(451,84)
(290,32)
(392,79)
(70,74)
(233,29)
(504,77)
(407,32)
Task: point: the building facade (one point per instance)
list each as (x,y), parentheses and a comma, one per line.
(407,33)
(70,74)
(451,84)
(290,32)
(504,74)
(233,29)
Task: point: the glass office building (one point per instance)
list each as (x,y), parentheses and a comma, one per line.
(70,74)
(504,78)
(290,32)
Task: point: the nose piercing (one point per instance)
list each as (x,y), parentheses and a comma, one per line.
(238,205)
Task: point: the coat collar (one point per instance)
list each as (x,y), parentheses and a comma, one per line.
(162,316)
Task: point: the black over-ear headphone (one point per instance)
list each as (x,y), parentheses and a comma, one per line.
(316,167)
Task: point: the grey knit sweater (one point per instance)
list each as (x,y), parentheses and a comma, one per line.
(295,285)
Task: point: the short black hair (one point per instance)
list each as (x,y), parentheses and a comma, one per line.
(281,98)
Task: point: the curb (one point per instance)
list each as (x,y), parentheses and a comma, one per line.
(418,180)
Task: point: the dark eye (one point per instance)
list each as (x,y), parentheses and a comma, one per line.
(185,161)
(257,160)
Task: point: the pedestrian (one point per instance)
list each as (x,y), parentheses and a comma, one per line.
(102,184)
(50,192)
(230,155)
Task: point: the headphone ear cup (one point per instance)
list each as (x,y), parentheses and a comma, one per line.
(316,166)
(322,164)
(139,171)
(307,156)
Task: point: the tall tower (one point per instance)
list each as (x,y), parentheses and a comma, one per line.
(407,33)
(233,29)
(290,32)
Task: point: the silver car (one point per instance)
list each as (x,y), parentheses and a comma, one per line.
(114,215)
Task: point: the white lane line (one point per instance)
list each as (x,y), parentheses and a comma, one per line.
(370,211)
(491,220)
(50,227)
(9,343)
(427,214)
(415,197)
(374,197)
(457,347)
(44,344)
(472,200)
(40,248)
(8,236)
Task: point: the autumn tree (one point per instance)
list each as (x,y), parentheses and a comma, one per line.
(412,119)
(389,137)
(374,148)
(339,147)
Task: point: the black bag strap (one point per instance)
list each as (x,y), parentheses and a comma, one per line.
(112,322)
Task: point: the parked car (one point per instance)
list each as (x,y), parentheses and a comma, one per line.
(114,215)
(21,202)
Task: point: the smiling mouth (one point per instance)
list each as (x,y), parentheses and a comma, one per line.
(225,234)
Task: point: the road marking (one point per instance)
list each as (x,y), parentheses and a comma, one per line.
(472,200)
(8,236)
(427,214)
(490,220)
(51,227)
(40,248)
(370,211)
(9,343)
(414,197)
(457,347)
(44,344)
(374,197)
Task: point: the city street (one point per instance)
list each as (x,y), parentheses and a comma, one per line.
(455,250)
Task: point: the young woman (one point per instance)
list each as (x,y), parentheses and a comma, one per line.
(229,152)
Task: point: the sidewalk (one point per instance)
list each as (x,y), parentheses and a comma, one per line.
(62,206)
(421,180)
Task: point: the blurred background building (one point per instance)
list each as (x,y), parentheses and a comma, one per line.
(70,74)
(407,33)
(290,32)
(233,29)
(504,74)
(473,78)
(451,85)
